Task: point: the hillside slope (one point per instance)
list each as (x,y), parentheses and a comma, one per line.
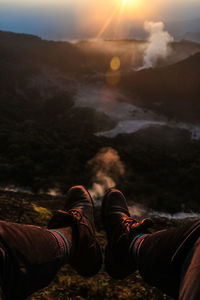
(176,88)
(46,141)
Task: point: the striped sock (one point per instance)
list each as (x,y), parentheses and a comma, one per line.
(136,245)
(62,243)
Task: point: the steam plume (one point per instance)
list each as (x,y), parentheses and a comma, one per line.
(107,169)
(159,40)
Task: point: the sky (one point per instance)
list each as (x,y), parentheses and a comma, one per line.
(74,19)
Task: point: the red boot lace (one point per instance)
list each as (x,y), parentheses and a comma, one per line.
(128,223)
(76,214)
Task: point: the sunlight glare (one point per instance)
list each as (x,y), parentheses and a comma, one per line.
(115,63)
(115,16)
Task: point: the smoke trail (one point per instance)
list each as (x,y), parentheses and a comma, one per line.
(158,47)
(107,169)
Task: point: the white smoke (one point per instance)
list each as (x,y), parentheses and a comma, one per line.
(102,182)
(137,210)
(107,168)
(159,41)
(54,192)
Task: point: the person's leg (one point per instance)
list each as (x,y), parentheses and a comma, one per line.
(31,255)
(190,274)
(158,256)
(86,256)
(153,257)
(117,222)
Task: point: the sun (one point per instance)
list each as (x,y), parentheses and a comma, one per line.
(135,8)
(123,10)
(131,4)
(128,1)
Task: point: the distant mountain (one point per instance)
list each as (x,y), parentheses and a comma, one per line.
(180,28)
(192,36)
(32,50)
(34,68)
(185,30)
(29,51)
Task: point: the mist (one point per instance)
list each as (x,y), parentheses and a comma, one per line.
(74,19)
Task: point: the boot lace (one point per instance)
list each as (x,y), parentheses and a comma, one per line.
(132,224)
(76,214)
(129,223)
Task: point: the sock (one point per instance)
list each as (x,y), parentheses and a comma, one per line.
(63,244)
(136,245)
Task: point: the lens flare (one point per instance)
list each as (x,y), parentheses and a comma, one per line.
(112,78)
(115,63)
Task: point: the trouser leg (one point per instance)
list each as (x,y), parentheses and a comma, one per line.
(155,258)
(30,257)
(190,275)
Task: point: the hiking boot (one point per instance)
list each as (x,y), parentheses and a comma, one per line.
(121,229)
(86,257)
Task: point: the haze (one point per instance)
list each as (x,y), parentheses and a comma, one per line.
(73,19)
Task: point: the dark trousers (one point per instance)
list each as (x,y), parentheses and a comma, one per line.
(190,275)
(29,258)
(169,260)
